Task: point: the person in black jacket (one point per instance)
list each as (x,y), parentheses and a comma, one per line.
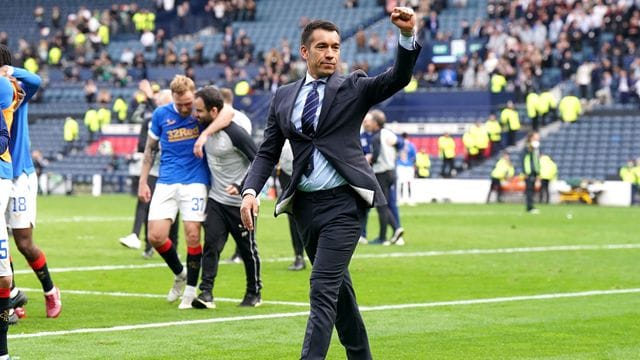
(332,184)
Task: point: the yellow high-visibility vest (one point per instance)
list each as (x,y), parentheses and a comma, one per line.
(423,164)
(548,168)
(446,147)
(510,118)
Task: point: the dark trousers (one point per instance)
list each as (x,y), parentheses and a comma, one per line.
(142,213)
(329,223)
(221,221)
(497,187)
(386,180)
(296,240)
(530,188)
(511,137)
(535,122)
(496,146)
(544,191)
(447,167)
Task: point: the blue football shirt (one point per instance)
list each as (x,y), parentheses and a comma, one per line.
(177,136)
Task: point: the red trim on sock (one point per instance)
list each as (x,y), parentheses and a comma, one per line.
(39,263)
(197,250)
(5,293)
(166,246)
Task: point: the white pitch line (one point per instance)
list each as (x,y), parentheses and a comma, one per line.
(142,295)
(306,313)
(78,219)
(374,256)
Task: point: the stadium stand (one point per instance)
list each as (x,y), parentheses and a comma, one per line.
(465,44)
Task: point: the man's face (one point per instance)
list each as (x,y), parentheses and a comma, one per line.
(323,53)
(201,113)
(370,124)
(184,103)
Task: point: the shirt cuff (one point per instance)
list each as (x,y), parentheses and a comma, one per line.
(408,42)
(249,192)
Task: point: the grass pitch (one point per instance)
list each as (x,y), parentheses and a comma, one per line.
(473,281)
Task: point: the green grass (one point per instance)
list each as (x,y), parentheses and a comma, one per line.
(80,232)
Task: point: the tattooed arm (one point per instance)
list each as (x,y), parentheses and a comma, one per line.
(150,151)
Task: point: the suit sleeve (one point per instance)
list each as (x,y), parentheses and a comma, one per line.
(241,140)
(30,82)
(378,88)
(268,153)
(375,146)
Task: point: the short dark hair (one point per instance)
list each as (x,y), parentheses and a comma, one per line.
(211,98)
(305,38)
(5,55)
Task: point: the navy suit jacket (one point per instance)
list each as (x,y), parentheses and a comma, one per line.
(347,99)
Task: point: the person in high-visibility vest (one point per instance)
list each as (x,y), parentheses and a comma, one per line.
(548,172)
(120,107)
(104,116)
(498,83)
(569,108)
(479,133)
(447,152)
(71,134)
(494,131)
(471,149)
(629,174)
(92,122)
(531,168)
(503,171)
(532,101)
(547,106)
(510,120)
(423,164)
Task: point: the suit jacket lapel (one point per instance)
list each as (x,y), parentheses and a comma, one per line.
(330,91)
(292,99)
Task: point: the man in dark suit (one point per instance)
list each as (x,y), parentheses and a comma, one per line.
(332,184)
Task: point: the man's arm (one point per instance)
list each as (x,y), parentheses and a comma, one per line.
(150,151)
(222,121)
(30,82)
(241,140)
(378,88)
(261,167)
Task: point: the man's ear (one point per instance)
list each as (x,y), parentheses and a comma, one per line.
(214,112)
(304,52)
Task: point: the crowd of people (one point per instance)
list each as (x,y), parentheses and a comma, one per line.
(592,44)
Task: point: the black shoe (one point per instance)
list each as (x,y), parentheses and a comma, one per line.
(204,301)
(19,300)
(298,264)
(251,300)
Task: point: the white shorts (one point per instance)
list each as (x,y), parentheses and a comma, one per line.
(21,212)
(405,173)
(167,199)
(5,261)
